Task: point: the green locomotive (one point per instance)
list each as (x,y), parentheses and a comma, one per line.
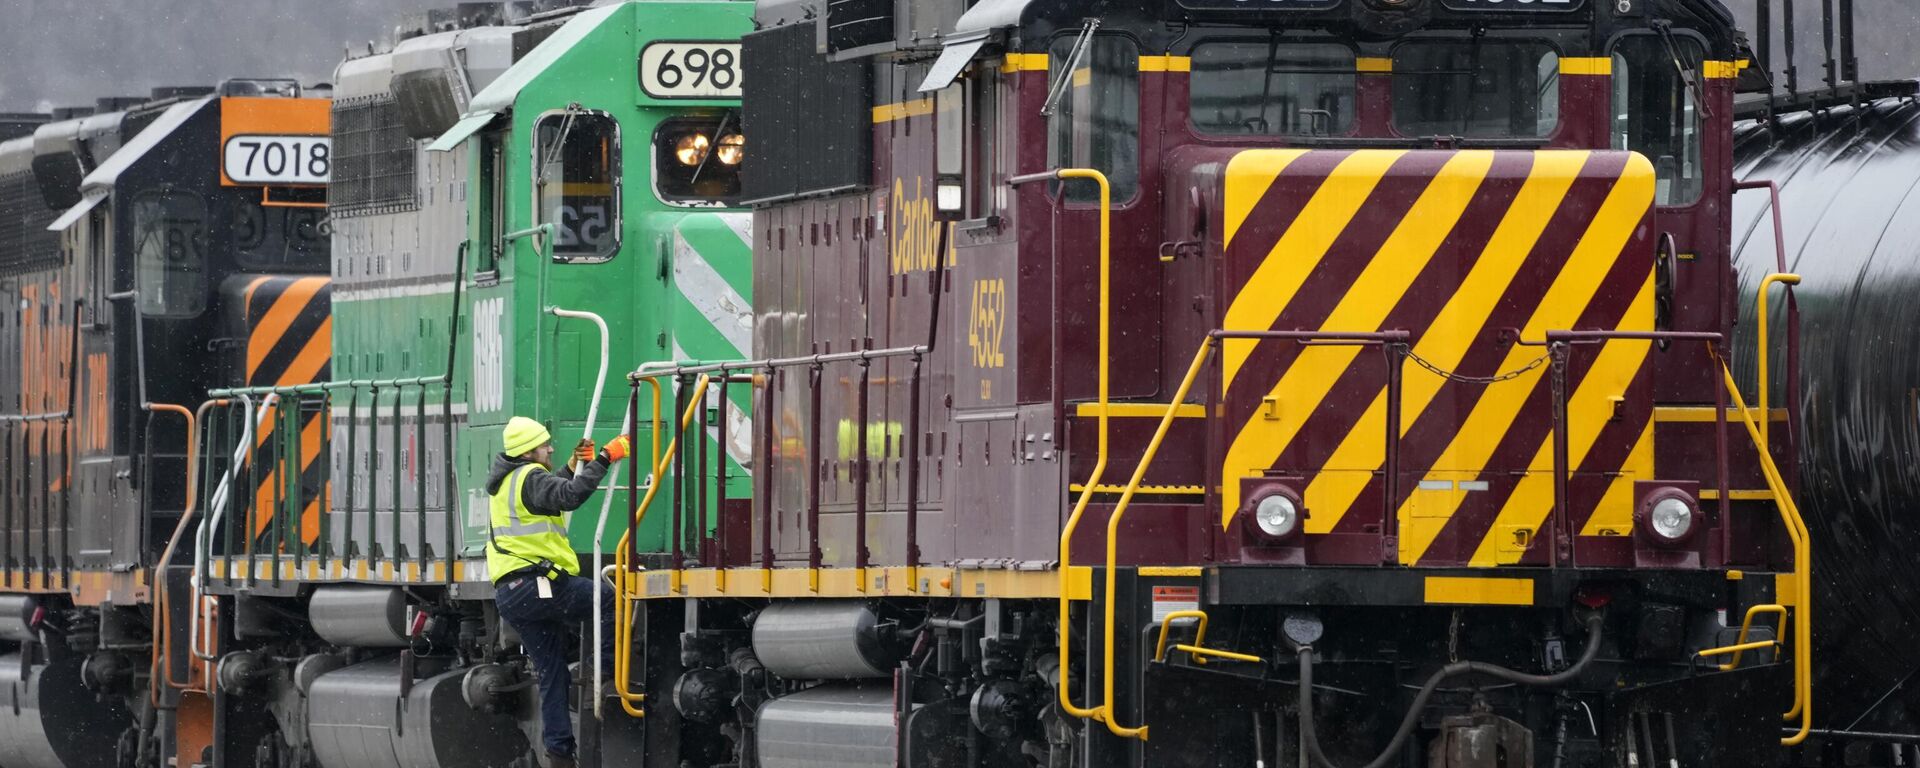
(525,211)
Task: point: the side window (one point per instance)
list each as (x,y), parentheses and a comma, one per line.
(1272,88)
(99,271)
(170,252)
(1096,123)
(576,184)
(950,149)
(983,168)
(491,204)
(1655,82)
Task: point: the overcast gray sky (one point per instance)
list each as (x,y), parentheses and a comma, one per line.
(58,52)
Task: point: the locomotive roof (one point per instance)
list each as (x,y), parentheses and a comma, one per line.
(16,155)
(105,176)
(497,98)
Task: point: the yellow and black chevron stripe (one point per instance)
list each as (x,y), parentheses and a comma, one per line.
(289,341)
(1461,249)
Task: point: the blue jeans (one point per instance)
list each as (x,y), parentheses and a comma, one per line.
(546,628)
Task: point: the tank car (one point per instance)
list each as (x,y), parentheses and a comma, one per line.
(160,246)
(533,210)
(1203,383)
(1844,175)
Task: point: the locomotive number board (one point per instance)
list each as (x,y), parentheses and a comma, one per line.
(278,160)
(691,70)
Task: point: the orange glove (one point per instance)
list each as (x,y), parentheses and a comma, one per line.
(583,452)
(618,448)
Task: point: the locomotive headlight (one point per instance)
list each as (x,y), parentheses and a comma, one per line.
(1668,515)
(691,148)
(1671,518)
(732,149)
(1276,515)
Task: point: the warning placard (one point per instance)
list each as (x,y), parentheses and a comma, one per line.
(1167,599)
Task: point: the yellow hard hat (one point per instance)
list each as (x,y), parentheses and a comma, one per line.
(523,435)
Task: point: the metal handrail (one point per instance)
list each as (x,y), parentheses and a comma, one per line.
(1200,357)
(1199,652)
(1796,525)
(162,642)
(1166,625)
(623,631)
(1064,623)
(544,246)
(695,367)
(1741,644)
(1761,374)
(1802,569)
(322,394)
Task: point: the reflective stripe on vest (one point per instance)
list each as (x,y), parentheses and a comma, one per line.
(520,536)
(516,528)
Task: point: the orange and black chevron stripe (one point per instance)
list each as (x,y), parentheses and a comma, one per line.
(1462,249)
(290,341)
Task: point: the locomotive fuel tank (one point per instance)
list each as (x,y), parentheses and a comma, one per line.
(1851,225)
(840,639)
(840,725)
(367,716)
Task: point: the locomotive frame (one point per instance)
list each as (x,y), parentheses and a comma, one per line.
(955,189)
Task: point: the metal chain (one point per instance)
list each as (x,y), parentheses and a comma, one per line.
(1464,379)
(1453,638)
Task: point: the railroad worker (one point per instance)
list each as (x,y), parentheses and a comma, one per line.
(538,587)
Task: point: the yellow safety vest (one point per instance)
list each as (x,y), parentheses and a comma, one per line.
(521,537)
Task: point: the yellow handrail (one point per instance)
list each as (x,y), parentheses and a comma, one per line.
(1166,623)
(1760,355)
(1100,463)
(1802,570)
(1199,651)
(1737,648)
(1113,528)
(623,608)
(1746,625)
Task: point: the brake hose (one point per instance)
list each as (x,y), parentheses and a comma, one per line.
(1309,731)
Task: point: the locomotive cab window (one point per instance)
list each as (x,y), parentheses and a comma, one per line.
(696,160)
(1272,88)
(1655,82)
(576,183)
(493,209)
(1478,88)
(170,252)
(1096,119)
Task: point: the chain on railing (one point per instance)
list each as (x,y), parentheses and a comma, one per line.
(1510,375)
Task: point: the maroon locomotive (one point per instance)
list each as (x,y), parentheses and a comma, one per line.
(1217,382)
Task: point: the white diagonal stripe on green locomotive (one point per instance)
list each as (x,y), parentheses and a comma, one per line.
(712,277)
(713,315)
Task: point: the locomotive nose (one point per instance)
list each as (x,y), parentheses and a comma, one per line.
(1463,252)
(284,328)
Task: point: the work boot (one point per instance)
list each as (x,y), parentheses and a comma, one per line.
(561,761)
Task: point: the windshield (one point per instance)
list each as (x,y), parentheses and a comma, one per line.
(1272,88)
(697,160)
(1655,112)
(575,183)
(1482,88)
